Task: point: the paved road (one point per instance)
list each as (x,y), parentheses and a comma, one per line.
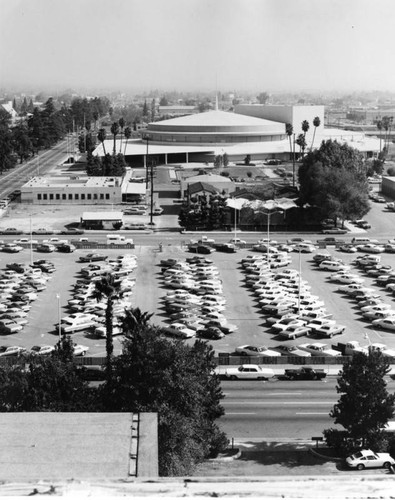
(39,165)
(257,411)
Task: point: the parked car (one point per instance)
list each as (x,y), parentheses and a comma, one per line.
(42,230)
(43,350)
(92,257)
(318,349)
(11,351)
(45,247)
(80,350)
(11,230)
(180,330)
(250,350)
(12,248)
(367,459)
(204,249)
(292,350)
(329,331)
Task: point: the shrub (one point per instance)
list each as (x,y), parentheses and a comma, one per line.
(391,171)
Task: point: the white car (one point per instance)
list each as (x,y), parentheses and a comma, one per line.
(370,248)
(382,348)
(373,315)
(237,241)
(42,350)
(11,351)
(250,350)
(329,331)
(367,459)
(247,372)
(292,350)
(180,330)
(284,322)
(376,307)
(318,349)
(304,248)
(80,350)
(346,278)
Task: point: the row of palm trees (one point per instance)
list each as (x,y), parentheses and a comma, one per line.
(116,127)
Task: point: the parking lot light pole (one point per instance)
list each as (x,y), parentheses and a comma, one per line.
(59,317)
(31,242)
(300,279)
(146,138)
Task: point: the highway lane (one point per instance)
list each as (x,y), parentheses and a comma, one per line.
(279,409)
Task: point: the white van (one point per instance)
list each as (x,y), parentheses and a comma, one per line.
(363,241)
(117,239)
(329,265)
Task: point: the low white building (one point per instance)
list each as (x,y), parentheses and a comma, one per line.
(82,190)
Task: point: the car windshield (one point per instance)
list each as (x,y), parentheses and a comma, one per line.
(357,455)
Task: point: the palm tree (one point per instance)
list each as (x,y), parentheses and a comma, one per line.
(121,123)
(316,123)
(128,135)
(108,288)
(301,142)
(134,321)
(101,135)
(289,130)
(305,127)
(114,131)
(379,124)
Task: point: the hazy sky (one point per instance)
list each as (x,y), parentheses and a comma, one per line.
(191,44)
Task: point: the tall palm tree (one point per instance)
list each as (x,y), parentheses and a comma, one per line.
(289,130)
(134,320)
(121,123)
(128,135)
(108,288)
(379,124)
(101,135)
(301,142)
(316,123)
(114,131)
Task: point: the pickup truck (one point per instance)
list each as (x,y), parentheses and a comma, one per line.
(350,348)
(304,373)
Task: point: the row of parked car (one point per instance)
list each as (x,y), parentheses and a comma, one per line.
(19,285)
(87,312)
(196,304)
(291,310)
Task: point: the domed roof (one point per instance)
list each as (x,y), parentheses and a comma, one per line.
(217,121)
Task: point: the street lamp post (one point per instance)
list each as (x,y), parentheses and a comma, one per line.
(293,162)
(31,242)
(146,138)
(152,194)
(268,213)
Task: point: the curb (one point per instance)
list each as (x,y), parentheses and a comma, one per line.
(330,459)
(236,455)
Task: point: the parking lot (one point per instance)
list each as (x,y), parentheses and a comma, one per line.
(241,306)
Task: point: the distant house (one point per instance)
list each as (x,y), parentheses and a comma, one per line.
(219,183)
(10,110)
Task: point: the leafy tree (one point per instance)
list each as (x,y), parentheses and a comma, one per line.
(7,156)
(22,144)
(23,110)
(145,110)
(316,123)
(155,374)
(163,101)
(114,131)
(49,383)
(365,406)
(391,171)
(262,97)
(218,161)
(225,160)
(247,160)
(330,156)
(30,107)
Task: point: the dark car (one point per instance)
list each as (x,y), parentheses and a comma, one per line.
(65,248)
(204,249)
(334,230)
(224,247)
(91,372)
(92,257)
(18,267)
(212,333)
(72,231)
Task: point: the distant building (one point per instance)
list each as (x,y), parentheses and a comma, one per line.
(101,220)
(10,110)
(82,190)
(178,110)
(207,183)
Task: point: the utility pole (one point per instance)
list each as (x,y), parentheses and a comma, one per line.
(152,193)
